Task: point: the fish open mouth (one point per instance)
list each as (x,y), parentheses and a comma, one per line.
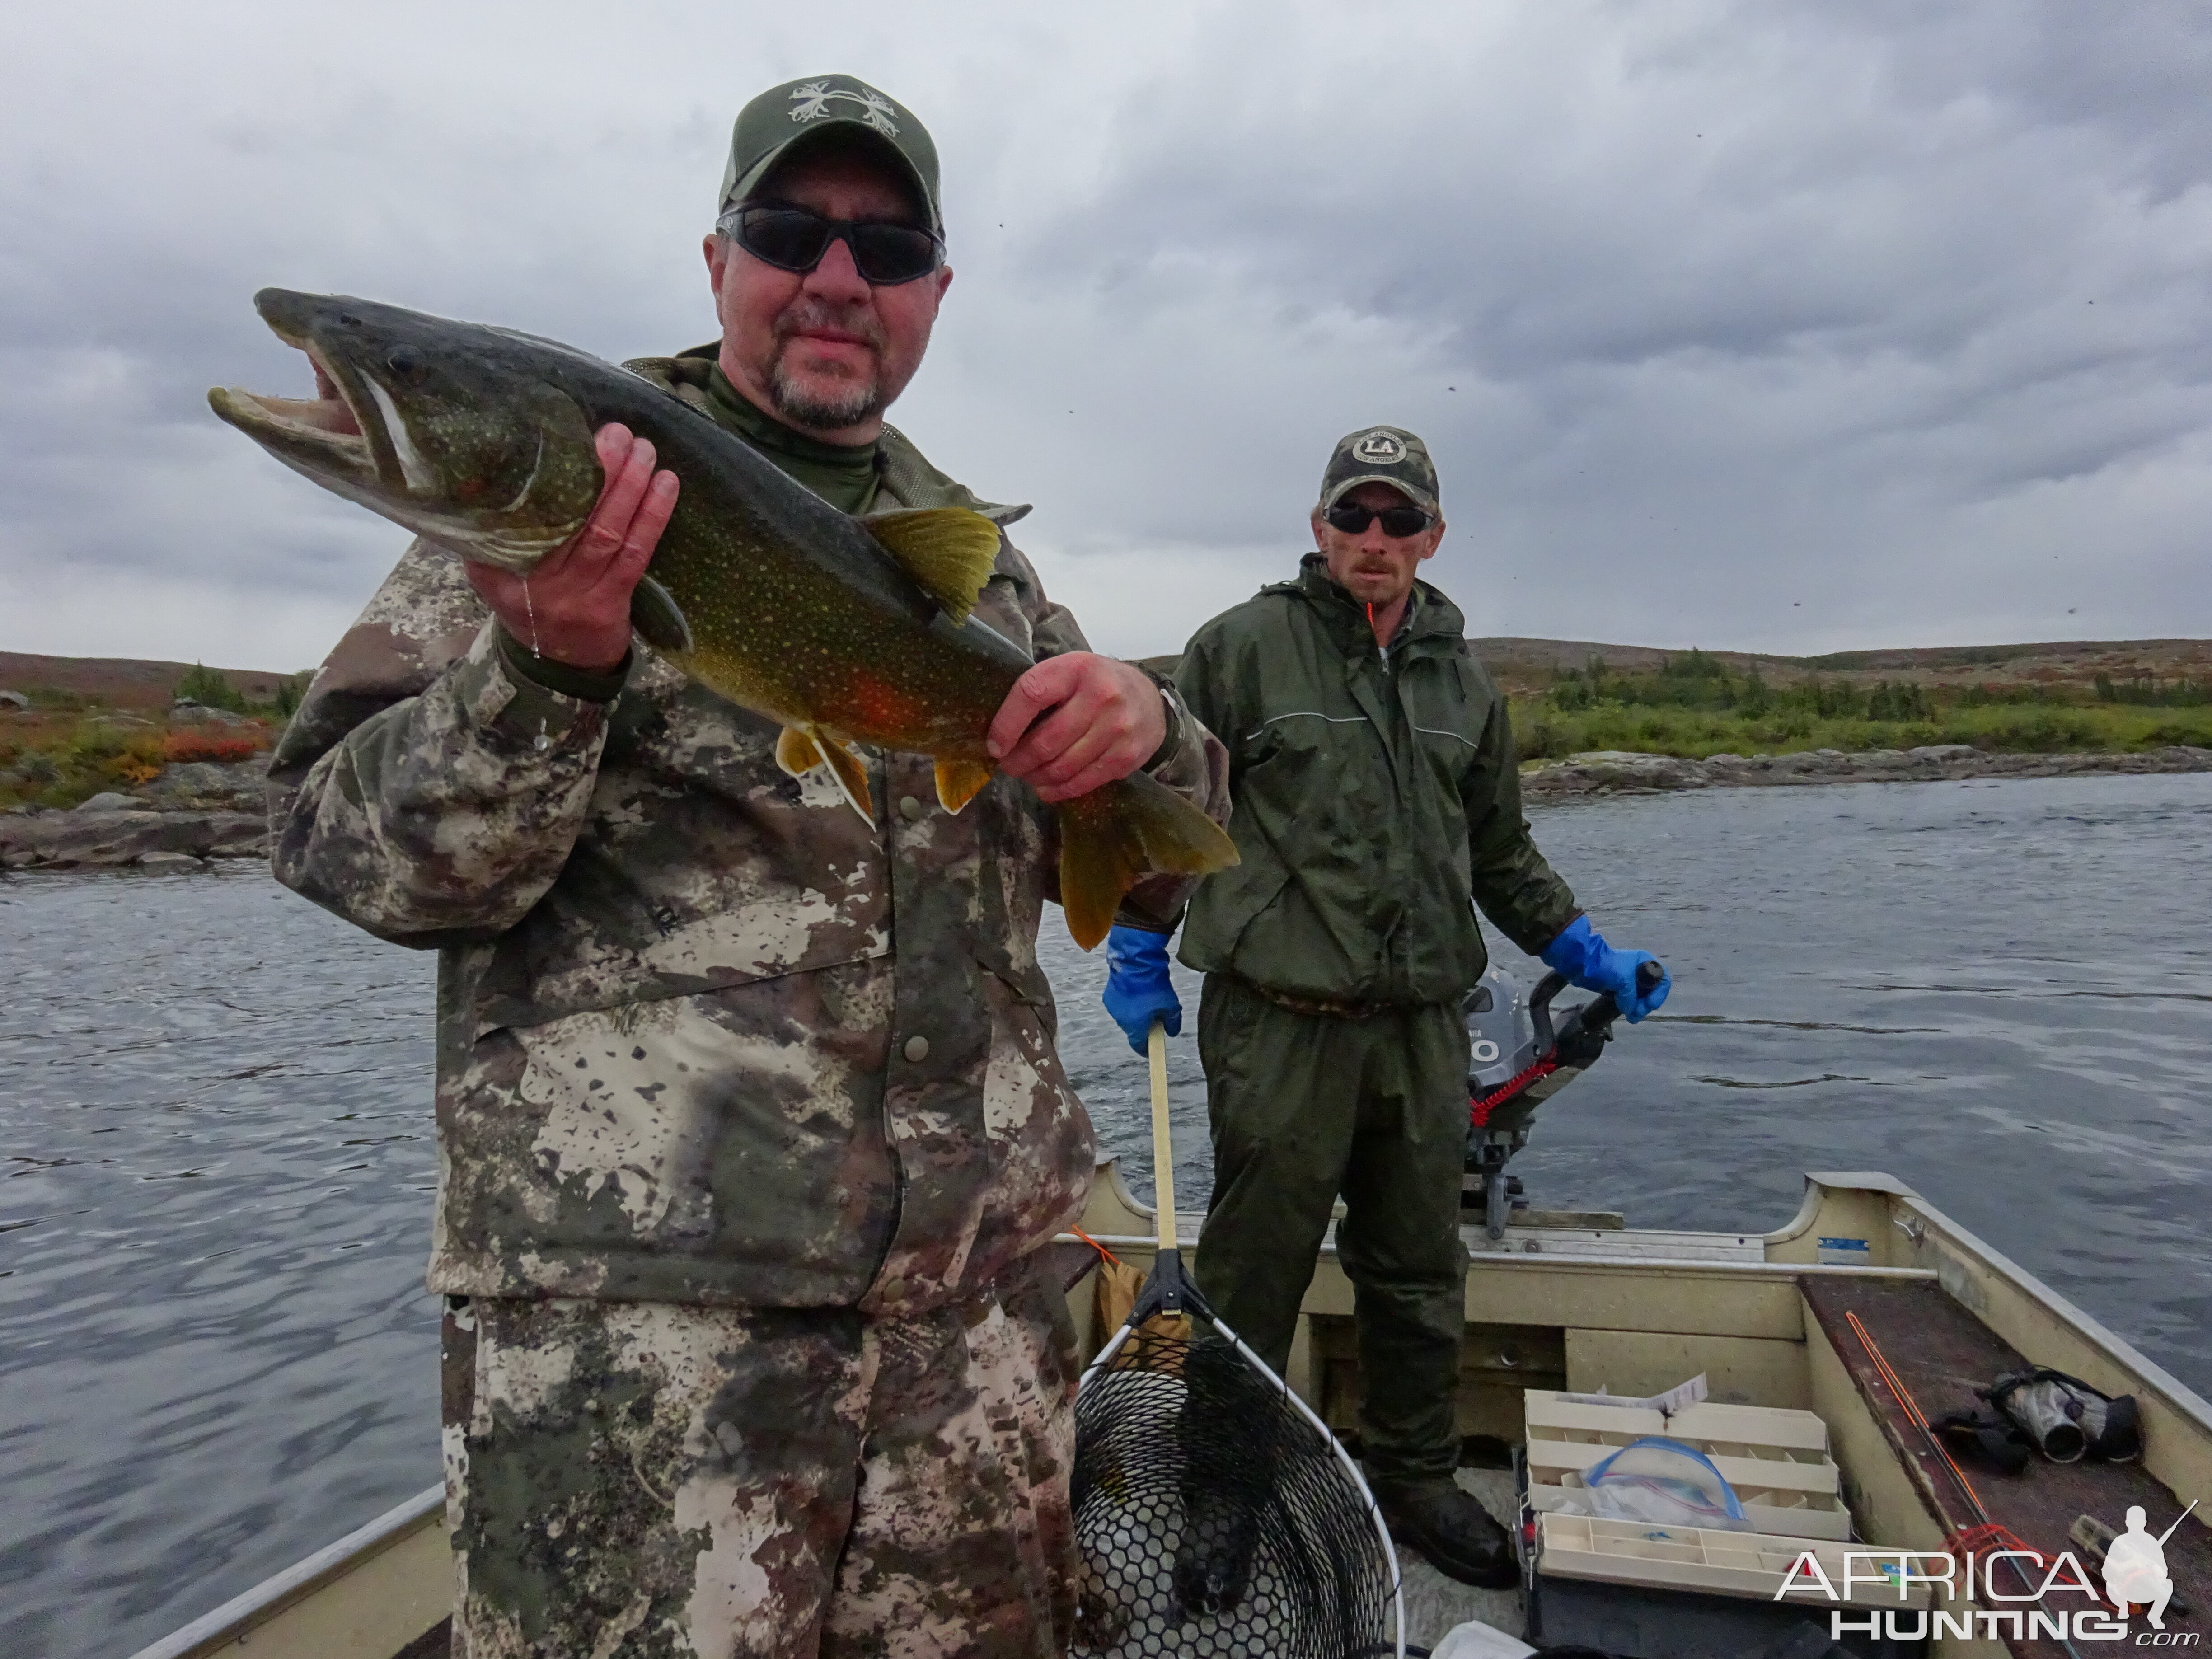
(326,428)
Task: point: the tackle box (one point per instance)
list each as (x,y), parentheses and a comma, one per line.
(1646,1591)
(1776,1461)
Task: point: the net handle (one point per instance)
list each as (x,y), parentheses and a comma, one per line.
(1156,1045)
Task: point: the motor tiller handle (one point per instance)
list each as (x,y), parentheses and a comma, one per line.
(1593,1016)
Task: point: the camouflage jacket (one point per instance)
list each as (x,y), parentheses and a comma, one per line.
(703,1035)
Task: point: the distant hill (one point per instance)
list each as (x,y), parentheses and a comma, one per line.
(119,682)
(1529,663)
(1525,664)
(1518,664)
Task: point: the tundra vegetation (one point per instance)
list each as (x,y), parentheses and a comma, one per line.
(71,745)
(1693,705)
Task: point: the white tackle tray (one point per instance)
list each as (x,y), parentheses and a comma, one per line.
(1776,1461)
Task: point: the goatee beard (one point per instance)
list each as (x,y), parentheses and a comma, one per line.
(826,405)
(822,411)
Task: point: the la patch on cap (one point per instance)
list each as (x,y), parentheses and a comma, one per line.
(800,111)
(1380,454)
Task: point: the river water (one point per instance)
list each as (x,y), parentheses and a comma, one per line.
(216,1354)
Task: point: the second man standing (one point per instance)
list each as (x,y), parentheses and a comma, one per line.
(1376,803)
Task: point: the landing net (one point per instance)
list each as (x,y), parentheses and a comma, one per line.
(1215,1515)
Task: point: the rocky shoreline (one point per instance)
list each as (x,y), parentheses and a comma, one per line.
(194,814)
(1623,772)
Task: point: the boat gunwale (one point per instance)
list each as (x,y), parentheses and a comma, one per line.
(1979,1256)
(237,1618)
(1592,1263)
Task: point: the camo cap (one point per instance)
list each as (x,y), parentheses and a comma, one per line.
(1380,454)
(800,111)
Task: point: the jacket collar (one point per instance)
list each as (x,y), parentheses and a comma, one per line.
(1429,617)
(909,479)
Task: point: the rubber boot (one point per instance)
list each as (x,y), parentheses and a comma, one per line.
(1452,1530)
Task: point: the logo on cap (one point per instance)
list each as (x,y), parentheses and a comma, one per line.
(1379,448)
(813,101)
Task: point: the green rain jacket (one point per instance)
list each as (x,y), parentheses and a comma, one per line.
(1376,802)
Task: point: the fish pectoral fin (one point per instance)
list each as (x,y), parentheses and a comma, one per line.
(959,782)
(796,751)
(800,748)
(948,551)
(659,621)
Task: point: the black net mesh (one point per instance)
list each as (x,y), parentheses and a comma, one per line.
(1214,1519)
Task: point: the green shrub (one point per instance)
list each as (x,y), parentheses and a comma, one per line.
(290,690)
(210,687)
(1583,713)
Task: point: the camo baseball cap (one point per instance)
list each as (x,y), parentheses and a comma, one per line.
(1380,454)
(799,110)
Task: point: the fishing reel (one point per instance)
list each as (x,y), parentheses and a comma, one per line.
(1522,1056)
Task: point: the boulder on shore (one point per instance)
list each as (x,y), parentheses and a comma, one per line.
(78,841)
(1609,771)
(210,786)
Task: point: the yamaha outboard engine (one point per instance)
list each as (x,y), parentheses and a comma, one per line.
(1520,1059)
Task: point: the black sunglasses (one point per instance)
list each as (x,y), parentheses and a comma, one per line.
(1352,519)
(792,238)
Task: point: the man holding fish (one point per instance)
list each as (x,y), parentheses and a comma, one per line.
(750,1118)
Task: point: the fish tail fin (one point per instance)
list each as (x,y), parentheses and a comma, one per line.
(1120,832)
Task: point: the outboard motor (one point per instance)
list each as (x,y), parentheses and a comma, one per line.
(1520,1059)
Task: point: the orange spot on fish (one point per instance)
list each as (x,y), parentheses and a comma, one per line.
(884,707)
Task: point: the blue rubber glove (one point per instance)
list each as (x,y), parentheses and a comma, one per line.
(1137,989)
(1581,953)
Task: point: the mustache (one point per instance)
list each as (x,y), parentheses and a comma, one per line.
(807,313)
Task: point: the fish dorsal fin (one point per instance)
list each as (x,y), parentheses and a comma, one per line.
(948,551)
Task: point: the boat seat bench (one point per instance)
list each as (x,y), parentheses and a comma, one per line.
(1942,1353)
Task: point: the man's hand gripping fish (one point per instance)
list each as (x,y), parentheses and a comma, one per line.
(845,630)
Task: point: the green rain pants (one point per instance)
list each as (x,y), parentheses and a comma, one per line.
(1304,1107)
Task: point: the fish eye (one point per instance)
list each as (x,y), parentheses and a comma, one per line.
(404,362)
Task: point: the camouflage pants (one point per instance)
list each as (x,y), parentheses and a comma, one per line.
(650,1478)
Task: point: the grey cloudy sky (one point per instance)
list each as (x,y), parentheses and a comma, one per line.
(1771,325)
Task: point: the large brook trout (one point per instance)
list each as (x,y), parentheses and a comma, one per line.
(845,630)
